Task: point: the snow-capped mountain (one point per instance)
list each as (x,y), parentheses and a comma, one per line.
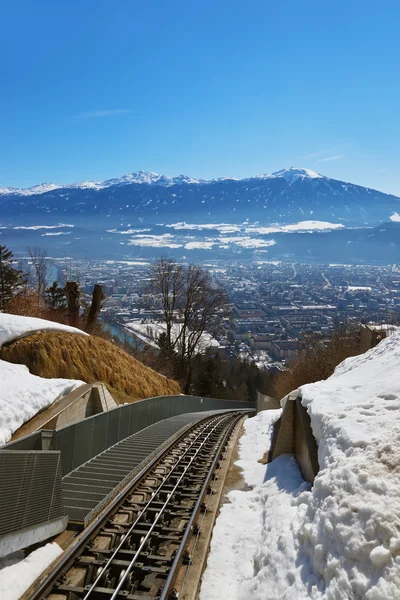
(287,196)
(141,177)
(293,174)
(41,188)
(291,214)
(150,178)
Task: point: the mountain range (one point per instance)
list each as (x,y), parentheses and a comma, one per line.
(283,197)
(275,214)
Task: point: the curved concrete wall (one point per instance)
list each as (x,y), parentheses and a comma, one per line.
(293,435)
(83,402)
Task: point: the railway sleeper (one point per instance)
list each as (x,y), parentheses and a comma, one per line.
(99,593)
(151,557)
(194,456)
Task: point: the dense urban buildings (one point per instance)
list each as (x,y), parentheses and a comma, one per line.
(273,305)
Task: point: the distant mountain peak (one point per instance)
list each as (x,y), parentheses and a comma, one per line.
(294,173)
(41,188)
(290,175)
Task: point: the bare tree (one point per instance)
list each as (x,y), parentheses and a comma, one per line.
(190,303)
(166,286)
(95,308)
(41,267)
(73,293)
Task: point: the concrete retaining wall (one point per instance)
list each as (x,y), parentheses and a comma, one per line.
(293,435)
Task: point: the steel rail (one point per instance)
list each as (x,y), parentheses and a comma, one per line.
(162,510)
(181,549)
(46,586)
(69,556)
(128,570)
(212,488)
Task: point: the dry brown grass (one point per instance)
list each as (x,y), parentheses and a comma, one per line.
(318,359)
(91,359)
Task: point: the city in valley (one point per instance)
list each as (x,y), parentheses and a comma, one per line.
(272,305)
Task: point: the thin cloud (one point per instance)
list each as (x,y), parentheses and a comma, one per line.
(320,153)
(94,114)
(307,156)
(329,158)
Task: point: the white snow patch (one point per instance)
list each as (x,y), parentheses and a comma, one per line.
(15,579)
(13,327)
(292,174)
(23,395)
(36,189)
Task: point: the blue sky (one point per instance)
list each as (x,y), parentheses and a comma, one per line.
(95,89)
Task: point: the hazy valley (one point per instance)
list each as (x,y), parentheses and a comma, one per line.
(294,214)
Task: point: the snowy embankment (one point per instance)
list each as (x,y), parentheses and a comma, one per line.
(340,539)
(23,395)
(237,533)
(14,327)
(17,576)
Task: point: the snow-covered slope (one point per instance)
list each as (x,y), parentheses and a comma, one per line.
(13,327)
(41,188)
(341,538)
(23,395)
(294,174)
(18,576)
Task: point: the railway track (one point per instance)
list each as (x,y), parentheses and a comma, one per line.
(137,547)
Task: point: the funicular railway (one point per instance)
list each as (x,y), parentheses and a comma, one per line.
(137,507)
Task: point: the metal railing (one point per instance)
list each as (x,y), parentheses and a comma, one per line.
(82,441)
(30,498)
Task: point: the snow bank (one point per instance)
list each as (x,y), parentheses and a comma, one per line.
(15,579)
(22,395)
(13,327)
(339,540)
(353,513)
(237,533)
